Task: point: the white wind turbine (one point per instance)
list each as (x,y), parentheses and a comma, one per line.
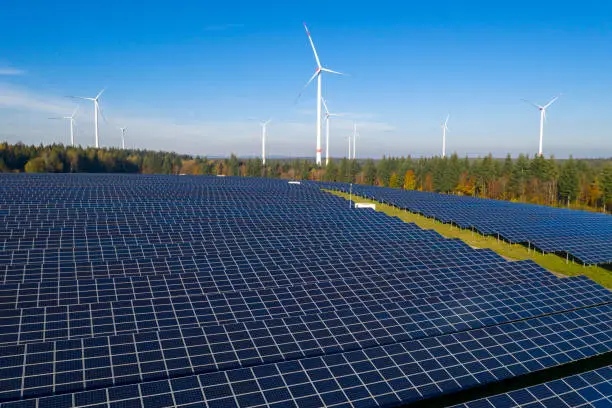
(444,130)
(123,130)
(350,137)
(328,115)
(264,128)
(542,118)
(71,119)
(96,110)
(317,75)
(354,140)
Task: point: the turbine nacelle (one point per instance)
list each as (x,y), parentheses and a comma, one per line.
(444,125)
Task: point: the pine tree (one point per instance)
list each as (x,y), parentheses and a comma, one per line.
(369,172)
(518,179)
(595,193)
(508,166)
(384,170)
(331,171)
(344,172)
(568,181)
(606,186)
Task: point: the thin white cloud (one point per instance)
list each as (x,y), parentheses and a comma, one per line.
(11,71)
(18,98)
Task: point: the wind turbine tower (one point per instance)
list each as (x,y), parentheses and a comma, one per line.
(328,116)
(264,127)
(123,130)
(542,118)
(96,110)
(354,140)
(349,147)
(444,129)
(317,75)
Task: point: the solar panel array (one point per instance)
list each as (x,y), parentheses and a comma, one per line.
(163,291)
(585,236)
(590,389)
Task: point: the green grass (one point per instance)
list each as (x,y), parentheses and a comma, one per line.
(552,262)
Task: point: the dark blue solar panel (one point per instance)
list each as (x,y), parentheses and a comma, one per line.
(397,373)
(584,235)
(593,389)
(210,348)
(162,291)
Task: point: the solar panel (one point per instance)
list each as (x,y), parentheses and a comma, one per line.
(69,292)
(585,236)
(200,349)
(593,388)
(383,375)
(84,320)
(202,291)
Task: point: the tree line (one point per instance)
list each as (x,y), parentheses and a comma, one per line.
(575,183)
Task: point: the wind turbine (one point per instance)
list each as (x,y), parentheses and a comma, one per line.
(354,140)
(123,130)
(328,115)
(444,129)
(71,119)
(542,117)
(264,126)
(349,147)
(96,110)
(317,75)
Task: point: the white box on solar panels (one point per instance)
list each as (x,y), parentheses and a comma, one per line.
(365,205)
(295,182)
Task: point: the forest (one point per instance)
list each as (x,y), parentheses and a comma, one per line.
(575,183)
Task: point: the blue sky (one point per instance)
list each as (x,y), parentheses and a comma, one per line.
(196,77)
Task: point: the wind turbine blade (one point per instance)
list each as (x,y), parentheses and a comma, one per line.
(531,103)
(446,121)
(81,97)
(102,113)
(317,72)
(55,118)
(332,72)
(100,94)
(314,50)
(325,106)
(551,102)
(75,111)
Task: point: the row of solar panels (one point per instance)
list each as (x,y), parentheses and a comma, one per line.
(75,365)
(381,375)
(583,235)
(335,308)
